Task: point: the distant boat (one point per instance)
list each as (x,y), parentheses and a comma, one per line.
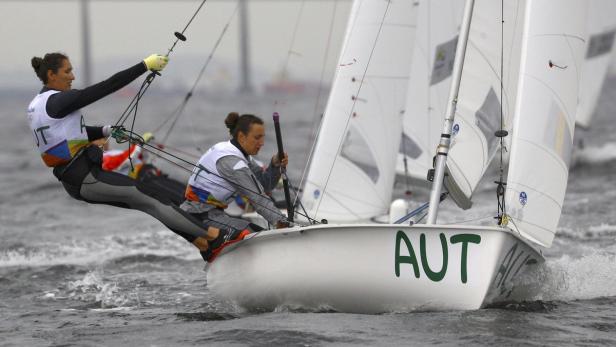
(284,85)
(438,26)
(372,268)
(599,53)
(431,73)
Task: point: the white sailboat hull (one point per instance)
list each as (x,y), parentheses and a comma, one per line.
(372,268)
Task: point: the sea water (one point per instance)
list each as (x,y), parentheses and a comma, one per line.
(72,273)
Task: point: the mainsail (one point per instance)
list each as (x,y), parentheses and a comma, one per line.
(601,27)
(552,55)
(478,112)
(438,25)
(351,174)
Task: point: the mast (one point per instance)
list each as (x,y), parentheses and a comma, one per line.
(85,40)
(246,85)
(443,147)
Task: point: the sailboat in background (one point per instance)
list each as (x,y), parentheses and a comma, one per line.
(478,112)
(373,268)
(438,26)
(427,99)
(599,50)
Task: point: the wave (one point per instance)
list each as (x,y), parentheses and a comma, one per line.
(136,247)
(581,239)
(603,229)
(588,277)
(595,155)
(93,292)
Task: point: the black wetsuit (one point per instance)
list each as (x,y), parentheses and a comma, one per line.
(84,179)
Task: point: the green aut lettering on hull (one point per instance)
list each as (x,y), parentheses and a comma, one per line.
(411,258)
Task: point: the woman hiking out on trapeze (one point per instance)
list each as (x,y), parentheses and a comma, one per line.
(64,143)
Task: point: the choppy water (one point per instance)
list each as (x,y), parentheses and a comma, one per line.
(79,274)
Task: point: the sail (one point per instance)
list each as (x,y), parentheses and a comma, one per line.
(438,24)
(541,144)
(478,112)
(601,26)
(351,174)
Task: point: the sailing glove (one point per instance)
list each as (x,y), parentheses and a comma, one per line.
(156,62)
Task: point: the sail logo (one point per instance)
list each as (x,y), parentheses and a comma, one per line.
(523,198)
(456,129)
(316,193)
(434,276)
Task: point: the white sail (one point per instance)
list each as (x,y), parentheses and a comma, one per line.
(601,27)
(438,24)
(478,112)
(352,170)
(553,51)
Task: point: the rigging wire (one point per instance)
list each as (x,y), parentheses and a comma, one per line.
(290,50)
(125,135)
(132,107)
(501,134)
(177,114)
(355,99)
(488,217)
(121,134)
(314,131)
(283,171)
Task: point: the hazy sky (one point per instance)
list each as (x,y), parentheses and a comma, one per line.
(124,32)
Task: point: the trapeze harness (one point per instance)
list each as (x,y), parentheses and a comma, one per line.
(209,192)
(63,141)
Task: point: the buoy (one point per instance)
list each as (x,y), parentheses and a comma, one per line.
(398,209)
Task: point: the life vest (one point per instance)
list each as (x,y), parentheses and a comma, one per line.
(58,140)
(205,184)
(118,161)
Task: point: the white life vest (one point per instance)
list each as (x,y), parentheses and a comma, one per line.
(205,184)
(58,140)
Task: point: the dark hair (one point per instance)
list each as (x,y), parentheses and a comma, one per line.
(51,61)
(237,123)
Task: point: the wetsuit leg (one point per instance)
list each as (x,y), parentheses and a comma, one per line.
(97,186)
(118,190)
(172,189)
(219,219)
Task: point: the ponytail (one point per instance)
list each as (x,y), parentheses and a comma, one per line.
(51,61)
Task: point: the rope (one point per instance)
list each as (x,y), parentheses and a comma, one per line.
(123,135)
(314,131)
(284,76)
(150,78)
(134,104)
(176,115)
(501,133)
(469,220)
(290,50)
